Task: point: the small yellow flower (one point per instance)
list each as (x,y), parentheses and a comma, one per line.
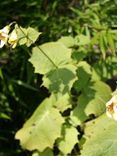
(111,108)
(4,36)
(13,39)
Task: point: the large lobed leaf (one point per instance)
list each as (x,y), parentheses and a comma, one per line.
(49,56)
(42,129)
(101,137)
(60,80)
(91,101)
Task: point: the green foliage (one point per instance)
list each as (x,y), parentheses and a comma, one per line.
(67,143)
(62,73)
(44,125)
(100,135)
(46,152)
(91,101)
(49,56)
(27,36)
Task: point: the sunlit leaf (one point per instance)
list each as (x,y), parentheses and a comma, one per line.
(49,56)
(91,101)
(27,36)
(82,40)
(68,41)
(69,140)
(42,129)
(101,137)
(63,102)
(46,152)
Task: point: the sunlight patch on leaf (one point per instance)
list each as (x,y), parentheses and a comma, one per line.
(42,129)
(67,143)
(101,137)
(46,152)
(68,41)
(49,56)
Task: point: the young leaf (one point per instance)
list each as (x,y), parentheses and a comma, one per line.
(42,129)
(21,32)
(49,56)
(32,36)
(27,36)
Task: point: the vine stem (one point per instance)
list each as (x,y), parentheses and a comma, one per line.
(39,49)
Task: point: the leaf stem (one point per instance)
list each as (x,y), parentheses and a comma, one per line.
(39,48)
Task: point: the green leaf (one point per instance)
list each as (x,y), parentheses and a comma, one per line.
(67,143)
(42,129)
(102,44)
(82,40)
(91,101)
(101,137)
(32,35)
(106,69)
(4,116)
(84,74)
(27,36)
(79,54)
(49,56)
(46,152)
(60,80)
(111,42)
(95,39)
(21,35)
(63,103)
(68,41)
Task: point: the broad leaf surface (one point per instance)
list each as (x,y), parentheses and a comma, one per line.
(49,56)
(63,102)
(42,129)
(60,80)
(67,143)
(32,35)
(46,152)
(101,137)
(91,101)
